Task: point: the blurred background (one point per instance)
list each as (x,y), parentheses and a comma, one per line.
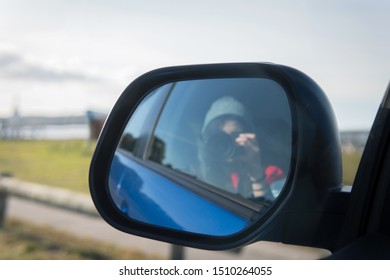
(63,64)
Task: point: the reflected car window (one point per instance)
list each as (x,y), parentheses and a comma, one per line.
(232,134)
(136,131)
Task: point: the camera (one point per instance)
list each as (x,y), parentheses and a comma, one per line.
(221,146)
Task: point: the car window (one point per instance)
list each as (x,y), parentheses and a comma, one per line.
(203,122)
(353,143)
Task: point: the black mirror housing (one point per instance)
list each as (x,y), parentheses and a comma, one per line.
(314,172)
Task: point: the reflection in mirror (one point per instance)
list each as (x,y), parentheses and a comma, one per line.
(135,136)
(228,143)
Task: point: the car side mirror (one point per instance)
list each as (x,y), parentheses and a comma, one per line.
(211,156)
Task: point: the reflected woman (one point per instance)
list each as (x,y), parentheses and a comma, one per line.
(230,154)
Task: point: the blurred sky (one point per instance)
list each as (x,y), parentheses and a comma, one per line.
(65,57)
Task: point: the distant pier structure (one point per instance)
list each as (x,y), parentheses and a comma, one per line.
(18,127)
(95,121)
(10,128)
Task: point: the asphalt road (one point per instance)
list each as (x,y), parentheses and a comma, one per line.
(96,228)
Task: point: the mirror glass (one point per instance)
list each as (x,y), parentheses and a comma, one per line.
(204,156)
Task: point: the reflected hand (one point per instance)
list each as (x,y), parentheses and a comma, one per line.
(251,155)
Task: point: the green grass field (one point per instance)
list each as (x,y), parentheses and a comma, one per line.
(25,241)
(350,165)
(66,163)
(54,163)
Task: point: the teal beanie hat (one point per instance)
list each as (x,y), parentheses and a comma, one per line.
(226,105)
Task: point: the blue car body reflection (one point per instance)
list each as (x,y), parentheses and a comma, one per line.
(148,197)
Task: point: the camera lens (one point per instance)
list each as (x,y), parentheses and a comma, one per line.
(221,146)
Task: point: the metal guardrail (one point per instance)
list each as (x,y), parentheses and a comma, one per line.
(55,197)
